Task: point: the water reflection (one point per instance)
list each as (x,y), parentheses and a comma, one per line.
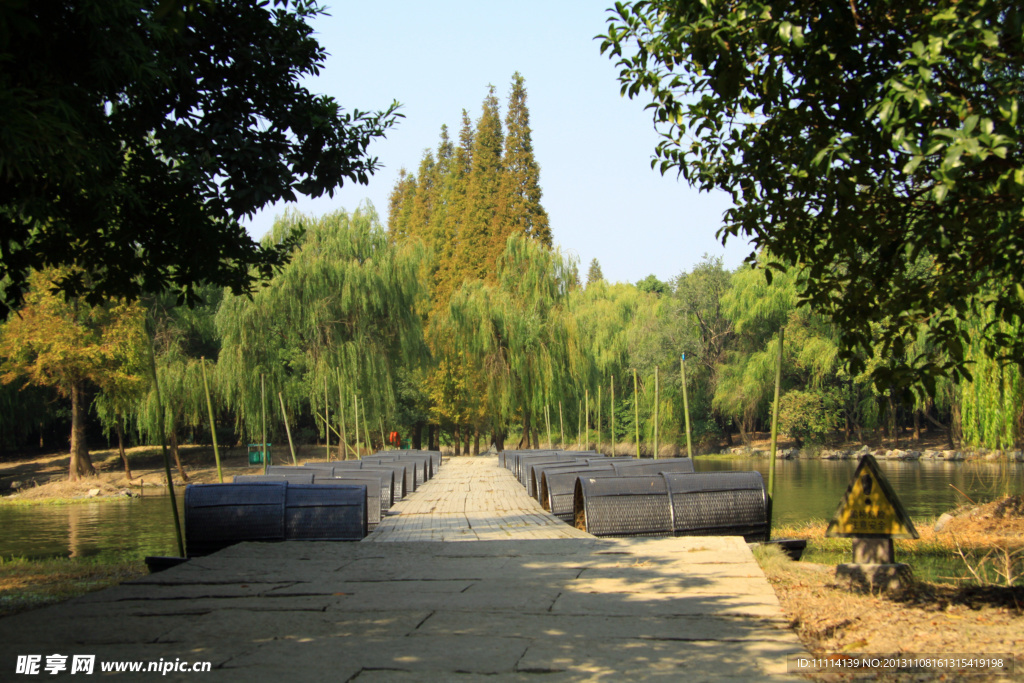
(139,526)
(812,489)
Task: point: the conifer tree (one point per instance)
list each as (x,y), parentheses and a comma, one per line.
(594,274)
(475,252)
(519,208)
(422,205)
(400,205)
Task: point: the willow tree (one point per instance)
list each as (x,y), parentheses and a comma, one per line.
(518,334)
(183,338)
(69,345)
(345,309)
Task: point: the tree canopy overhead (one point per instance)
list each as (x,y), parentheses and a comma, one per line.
(877,147)
(137,133)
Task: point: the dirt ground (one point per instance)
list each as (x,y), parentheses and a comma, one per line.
(46,477)
(926,618)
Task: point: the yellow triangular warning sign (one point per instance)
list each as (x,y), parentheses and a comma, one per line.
(870,508)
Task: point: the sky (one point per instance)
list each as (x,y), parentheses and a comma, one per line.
(594,147)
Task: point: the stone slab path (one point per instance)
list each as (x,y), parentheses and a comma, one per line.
(471,499)
(522,609)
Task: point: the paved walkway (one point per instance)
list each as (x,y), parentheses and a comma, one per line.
(471,499)
(538,610)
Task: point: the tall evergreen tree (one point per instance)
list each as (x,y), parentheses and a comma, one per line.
(422,206)
(594,274)
(519,208)
(400,205)
(475,254)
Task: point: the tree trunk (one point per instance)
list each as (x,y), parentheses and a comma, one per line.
(536,441)
(417,436)
(174,451)
(476,441)
(120,447)
(458,440)
(917,425)
(466,436)
(80,465)
(499,439)
(892,421)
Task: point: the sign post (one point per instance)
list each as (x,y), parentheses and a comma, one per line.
(871,514)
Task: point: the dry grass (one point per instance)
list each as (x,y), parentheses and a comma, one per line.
(29,584)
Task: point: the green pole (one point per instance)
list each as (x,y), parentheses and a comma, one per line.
(547,420)
(561,426)
(656,454)
(636,412)
(366,430)
(686,405)
(586,419)
(613,414)
(579,422)
(341,413)
(775,432)
(380,421)
(213,428)
(167,457)
(598,418)
(327,421)
(263,412)
(355,407)
(287,429)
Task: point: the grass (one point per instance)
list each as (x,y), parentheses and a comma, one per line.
(29,584)
(962,558)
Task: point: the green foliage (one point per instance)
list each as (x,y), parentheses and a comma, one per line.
(807,415)
(594,273)
(136,137)
(346,306)
(874,148)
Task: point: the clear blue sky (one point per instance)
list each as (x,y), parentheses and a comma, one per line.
(594,147)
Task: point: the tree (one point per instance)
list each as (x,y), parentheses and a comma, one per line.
(594,273)
(652,285)
(519,208)
(477,256)
(137,133)
(68,345)
(345,309)
(876,148)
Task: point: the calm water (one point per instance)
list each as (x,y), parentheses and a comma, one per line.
(805,489)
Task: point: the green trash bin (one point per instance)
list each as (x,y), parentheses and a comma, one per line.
(256,453)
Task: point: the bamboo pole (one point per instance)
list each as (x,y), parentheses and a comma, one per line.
(656,454)
(287,429)
(213,428)
(547,420)
(775,432)
(366,430)
(327,421)
(613,415)
(341,412)
(167,457)
(686,406)
(355,407)
(598,418)
(636,412)
(586,419)
(579,422)
(380,421)
(263,411)
(561,426)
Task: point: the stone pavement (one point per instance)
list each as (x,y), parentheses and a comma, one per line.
(471,499)
(540,609)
